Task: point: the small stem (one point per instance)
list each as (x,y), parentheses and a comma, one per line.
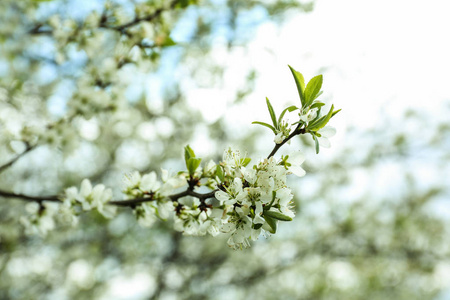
(123,27)
(123,203)
(11,162)
(31,198)
(174,197)
(297,131)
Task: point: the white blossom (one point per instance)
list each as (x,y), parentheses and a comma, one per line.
(295,160)
(325,133)
(285,196)
(145,214)
(91,197)
(234,193)
(149,183)
(279,138)
(40,218)
(308,115)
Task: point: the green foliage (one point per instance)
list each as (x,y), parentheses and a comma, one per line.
(272,223)
(321,122)
(312,90)
(300,82)
(265,125)
(192,162)
(272,113)
(277,215)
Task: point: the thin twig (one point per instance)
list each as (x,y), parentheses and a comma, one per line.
(174,197)
(297,131)
(123,203)
(137,20)
(11,162)
(31,198)
(37,30)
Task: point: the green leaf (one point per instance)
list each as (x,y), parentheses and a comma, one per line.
(335,112)
(277,215)
(245,161)
(185,3)
(257,226)
(312,90)
(317,125)
(274,195)
(318,95)
(300,82)
(192,164)
(219,173)
(168,41)
(290,109)
(266,125)
(188,153)
(272,223)
(317,105)
(272,113)
(316,141)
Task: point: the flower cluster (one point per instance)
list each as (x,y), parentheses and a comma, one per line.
(248,201)
(40,218)
(156,194)
(87,198)
(255,199)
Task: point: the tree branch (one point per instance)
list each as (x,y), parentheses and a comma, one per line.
(174,197)
(11,162)
(123,203)
(137,20)
(37,29)
(30,198)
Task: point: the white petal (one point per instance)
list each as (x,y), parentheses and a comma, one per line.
(149,182)
(327,131)
(258,220)
(97,193)
(285,196)
(278,139)
(108,211)
(164,209)
(296,158)
(71,193)
(164,175)
(86,188)
(324,142)
(255,234)
(237,185)
(133,179)
(249,175)
(32,208)
(230,201)
(259,208)
(222,196)
(297,170)
(228,227)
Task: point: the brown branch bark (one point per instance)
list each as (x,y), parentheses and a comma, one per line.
(137,20)
(11,162)
(28,197)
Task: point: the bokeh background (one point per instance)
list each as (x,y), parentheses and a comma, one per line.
(372,211)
